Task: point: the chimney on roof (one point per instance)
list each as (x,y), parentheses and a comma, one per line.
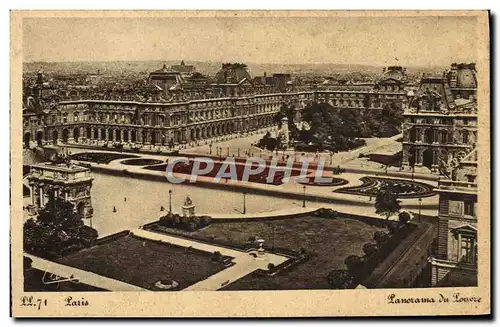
(39,77)
(265,74)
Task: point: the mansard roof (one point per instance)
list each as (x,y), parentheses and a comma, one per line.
(164,70)
(436,88)
(394,73)
(183,68)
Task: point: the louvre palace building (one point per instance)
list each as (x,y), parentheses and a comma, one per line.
(440,119)
(178,105)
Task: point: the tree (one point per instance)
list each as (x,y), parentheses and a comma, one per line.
(370,249)
(386,203)
(354,265)
(404,217)
(56,230)
(392,226)
(380,237)
(340,279)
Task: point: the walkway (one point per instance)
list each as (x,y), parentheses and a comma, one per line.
(403,265)
(244,263)
(83,276)
(317,196)
(293,211)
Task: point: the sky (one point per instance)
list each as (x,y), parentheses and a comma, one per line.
(422,41)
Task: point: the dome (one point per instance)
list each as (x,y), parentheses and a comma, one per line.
(394,72)
(232,74)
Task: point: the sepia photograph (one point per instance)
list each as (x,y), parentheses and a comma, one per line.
(250,163)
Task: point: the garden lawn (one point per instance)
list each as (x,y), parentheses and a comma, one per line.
(329,241)
(143,262)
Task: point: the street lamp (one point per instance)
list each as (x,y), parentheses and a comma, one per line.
(304,197)
(170,201)
(244,203)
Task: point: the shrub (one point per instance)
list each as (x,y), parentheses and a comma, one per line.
(192,226)
(206,220)
(196,221)
(216,256)
(271,266)
(118,146)
(354,265)
(392,226)
(326,213)
(380,237)
(338,170)
(404,217)
(251,239)
(185,223)
(27,262)
(370,249)
(340,279)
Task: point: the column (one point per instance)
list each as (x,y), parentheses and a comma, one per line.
(32,186)
(405,162)
(420,156)
(40,192)
(435,160)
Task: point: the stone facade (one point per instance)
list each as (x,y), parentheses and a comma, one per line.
(455,263)
(243,108)
(70,182)
(440,120)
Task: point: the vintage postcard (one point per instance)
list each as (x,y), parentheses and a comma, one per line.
(250,163)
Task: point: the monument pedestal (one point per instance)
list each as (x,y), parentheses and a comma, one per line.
(188,210)
(261,253)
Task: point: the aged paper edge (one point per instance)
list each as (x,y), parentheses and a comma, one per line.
(310,303)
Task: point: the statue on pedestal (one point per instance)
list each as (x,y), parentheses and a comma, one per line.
(188,209)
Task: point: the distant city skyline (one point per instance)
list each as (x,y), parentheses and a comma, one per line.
(415,41)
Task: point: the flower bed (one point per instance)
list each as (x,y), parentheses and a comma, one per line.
(186,168)
(404,189)
(100,157)
(141,162)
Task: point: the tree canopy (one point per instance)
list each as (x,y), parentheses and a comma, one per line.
(57,229)
(386,203)
(340,279)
